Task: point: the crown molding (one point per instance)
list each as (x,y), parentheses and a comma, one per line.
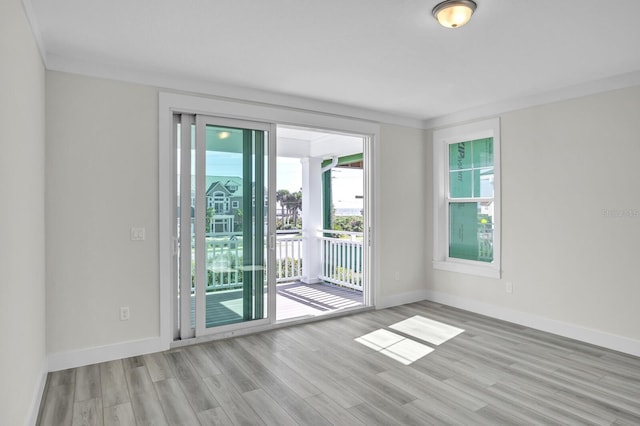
(223,91)
(619,81)
(35,29)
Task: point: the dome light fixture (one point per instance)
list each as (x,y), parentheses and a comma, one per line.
(454,13)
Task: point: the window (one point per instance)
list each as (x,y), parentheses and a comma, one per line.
(467,198)
(235,204)
(220,202)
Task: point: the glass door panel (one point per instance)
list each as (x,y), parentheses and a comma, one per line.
(231,227)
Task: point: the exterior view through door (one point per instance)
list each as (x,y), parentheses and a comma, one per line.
(265,237)
(319,222)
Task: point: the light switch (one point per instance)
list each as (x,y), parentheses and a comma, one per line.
(137,234)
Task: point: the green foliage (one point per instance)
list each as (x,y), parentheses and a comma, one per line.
(209,218)
(349,223)
(287,267)
(291,205)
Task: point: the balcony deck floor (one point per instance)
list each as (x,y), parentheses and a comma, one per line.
(293,300)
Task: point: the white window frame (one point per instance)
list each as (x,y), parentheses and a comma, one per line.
(441,140)
(220,200)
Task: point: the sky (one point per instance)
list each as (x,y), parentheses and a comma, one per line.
(346,185)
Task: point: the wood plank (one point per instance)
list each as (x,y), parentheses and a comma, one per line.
(268,409)
(240,379)
(113,384)
(148,410)
(144,399)
(332,411)
(158,367)
(58,405)
(214,416)
(175,404)
(119,415)
(370,415)
(197,393)
(88,413)
(237,409)
(201,361)
(88,383)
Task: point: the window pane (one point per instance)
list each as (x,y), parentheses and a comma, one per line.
(483,182)
(482,153)
(461,184)
(471,169)
(460,156)
(471,231)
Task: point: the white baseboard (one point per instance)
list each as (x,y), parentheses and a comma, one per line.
(572,331)
(401,299)
(82,357)
(38,393)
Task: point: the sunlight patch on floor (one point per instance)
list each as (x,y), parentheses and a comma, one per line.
(426,329)
(404,349)
(394,346)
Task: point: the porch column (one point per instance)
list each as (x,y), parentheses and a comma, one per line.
(311,219)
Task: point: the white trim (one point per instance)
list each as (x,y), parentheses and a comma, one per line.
(370,150)
(82,357)
(38,394)
(441,140)
(593,87)
(165,221)
(27,6)
(475,268)
(560,328)
(401,299)
(225,91)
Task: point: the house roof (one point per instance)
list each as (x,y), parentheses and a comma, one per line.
(382,59)
(224,183)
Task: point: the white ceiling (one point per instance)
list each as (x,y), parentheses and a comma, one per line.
(300,143)
(389,56)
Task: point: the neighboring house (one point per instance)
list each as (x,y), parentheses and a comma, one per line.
(224,196)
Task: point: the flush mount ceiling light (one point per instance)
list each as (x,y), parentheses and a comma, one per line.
(454,13)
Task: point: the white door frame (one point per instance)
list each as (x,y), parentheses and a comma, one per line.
(171,103)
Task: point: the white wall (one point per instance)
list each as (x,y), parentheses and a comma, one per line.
(102,179)
(574,270)
(402,177)
(102,160)
(22,210)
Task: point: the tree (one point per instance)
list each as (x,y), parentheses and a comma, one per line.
(294,204)
(281,197)
(209,218)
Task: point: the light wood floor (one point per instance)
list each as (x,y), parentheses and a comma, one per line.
(317,374)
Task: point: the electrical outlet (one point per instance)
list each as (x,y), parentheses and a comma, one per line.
(124,313)
(137,234)
(509,287)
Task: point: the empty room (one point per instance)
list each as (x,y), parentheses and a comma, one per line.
(364,212)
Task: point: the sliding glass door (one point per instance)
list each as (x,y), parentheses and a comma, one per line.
(224,225)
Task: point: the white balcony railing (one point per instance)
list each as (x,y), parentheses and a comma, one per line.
(224,261)
(224,258)
(342,258)
(288,256)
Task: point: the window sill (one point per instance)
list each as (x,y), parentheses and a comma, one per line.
(489,270)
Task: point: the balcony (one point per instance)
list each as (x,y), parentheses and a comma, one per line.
(338,286)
